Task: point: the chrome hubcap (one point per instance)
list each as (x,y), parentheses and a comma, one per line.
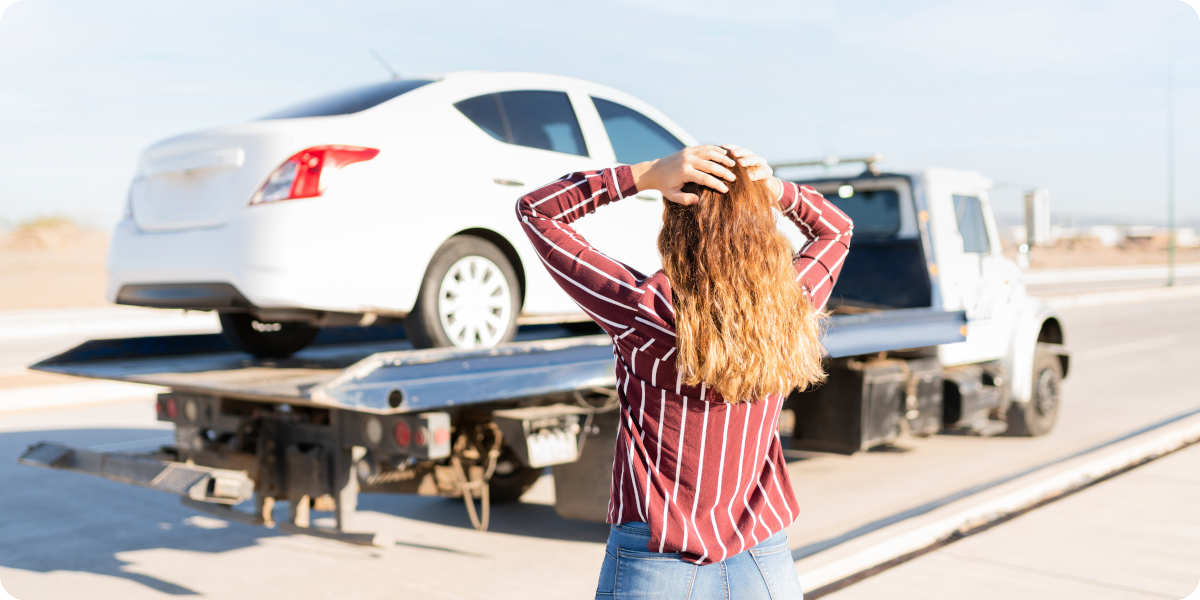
(474,303)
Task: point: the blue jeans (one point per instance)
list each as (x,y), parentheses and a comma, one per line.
(631,571)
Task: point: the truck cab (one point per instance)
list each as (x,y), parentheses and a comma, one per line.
(928,238)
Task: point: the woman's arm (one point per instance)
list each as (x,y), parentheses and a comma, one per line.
(604,288)
(828,229)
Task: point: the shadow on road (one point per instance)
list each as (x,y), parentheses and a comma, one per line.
(63,521)
(527,519)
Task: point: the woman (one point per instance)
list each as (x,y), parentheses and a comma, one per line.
(707,349)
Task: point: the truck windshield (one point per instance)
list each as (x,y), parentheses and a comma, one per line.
(876,213)
(348,101)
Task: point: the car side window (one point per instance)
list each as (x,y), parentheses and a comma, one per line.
(534,118)
(542,119)
(968,212)
(484,112)
(635,138)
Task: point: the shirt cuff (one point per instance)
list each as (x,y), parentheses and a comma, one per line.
(619,181)
(789,196)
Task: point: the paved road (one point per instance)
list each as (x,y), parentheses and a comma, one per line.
(65,534)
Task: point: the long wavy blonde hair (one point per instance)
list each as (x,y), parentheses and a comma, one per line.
(744,326)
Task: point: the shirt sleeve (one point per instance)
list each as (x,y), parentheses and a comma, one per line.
(606,289)
(828,230)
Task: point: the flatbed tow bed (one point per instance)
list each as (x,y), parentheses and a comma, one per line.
(378,416)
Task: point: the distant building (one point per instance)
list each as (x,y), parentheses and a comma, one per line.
(1107,235)
(1037,217)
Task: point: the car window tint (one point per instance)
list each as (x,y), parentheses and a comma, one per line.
(484,112)
(635,138)
(542,119)
(968,212)
(348,101)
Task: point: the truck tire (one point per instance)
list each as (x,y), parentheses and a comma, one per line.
(469,298)
(508,488)
(266,339)
(1038,416)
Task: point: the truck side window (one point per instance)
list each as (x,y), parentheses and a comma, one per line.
(968,212)
(534,118)
(635,138)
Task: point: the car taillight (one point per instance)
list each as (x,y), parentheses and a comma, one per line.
(306,173)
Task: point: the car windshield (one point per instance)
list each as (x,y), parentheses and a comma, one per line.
(349,101)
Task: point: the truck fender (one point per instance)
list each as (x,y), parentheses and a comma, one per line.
(1038,324)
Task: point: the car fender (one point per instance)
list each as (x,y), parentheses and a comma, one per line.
(1037,324)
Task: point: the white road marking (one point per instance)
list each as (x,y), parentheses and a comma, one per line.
(1123,297)
(70,394)
(1103,274)
(102,322)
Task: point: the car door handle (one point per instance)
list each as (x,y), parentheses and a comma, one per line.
(508,182)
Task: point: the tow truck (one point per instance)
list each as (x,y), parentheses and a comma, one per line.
(930,331)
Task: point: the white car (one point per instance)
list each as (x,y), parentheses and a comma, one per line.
(388,201)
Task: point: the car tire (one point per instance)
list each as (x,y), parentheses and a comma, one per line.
(470,297)
(1038,416)
(266,339)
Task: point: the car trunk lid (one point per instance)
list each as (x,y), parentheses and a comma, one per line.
(201,179)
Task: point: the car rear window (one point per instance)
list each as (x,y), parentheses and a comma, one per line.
(349,101)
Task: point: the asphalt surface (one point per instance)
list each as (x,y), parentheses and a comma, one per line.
(65,534)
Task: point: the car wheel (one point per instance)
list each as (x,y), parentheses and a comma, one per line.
(266,339)
(469,298)
(1038,416)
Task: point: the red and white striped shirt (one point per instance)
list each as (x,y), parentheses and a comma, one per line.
(708,476)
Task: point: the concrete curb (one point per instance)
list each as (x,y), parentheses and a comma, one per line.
(1122,296)
(898,546)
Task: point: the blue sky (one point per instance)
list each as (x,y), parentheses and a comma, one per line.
(1063,93)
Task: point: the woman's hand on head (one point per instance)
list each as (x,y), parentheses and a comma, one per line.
(757,167)
(703,165)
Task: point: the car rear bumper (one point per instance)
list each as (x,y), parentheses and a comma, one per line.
(251,265)
(195,296)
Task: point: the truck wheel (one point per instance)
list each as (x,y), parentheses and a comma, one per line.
(1038,416)
(266,339)
(469,298)
(508,488)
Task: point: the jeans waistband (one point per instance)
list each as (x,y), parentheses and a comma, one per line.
(635,536)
